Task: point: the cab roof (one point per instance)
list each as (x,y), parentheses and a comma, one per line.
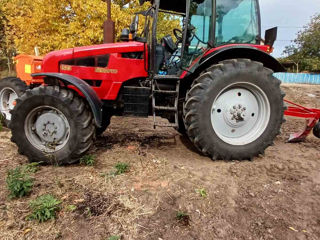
(172,5)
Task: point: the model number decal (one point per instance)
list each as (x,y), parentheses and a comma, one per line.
(65,67)
(106,70)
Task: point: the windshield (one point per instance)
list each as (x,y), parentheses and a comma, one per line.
(237,22)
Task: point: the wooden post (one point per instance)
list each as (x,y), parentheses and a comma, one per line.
(109,27)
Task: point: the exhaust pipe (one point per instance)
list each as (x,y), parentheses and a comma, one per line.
(109,27)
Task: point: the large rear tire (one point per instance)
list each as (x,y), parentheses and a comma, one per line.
(52,125)
(10,89)
(234,110)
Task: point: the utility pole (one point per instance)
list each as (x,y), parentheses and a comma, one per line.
(108,26)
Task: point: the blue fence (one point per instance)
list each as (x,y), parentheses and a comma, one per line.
(305,78)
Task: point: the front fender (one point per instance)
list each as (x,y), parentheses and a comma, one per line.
(90,95)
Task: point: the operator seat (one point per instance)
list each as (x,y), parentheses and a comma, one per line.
(164,51)
(168,44)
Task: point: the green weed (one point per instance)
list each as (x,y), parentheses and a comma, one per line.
(202,192)
(31,167)
(183,218)
(114,238)
(19,182)
(44,208)
(181,215)
(88,160)
(121,168)
(71,208)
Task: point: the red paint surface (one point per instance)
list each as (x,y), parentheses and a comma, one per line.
(125,68)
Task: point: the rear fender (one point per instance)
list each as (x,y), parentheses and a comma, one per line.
(215,56)
(90,95)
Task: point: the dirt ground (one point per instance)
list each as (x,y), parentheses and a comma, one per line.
(275,196)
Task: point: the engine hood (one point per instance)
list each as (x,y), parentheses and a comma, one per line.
(51,60)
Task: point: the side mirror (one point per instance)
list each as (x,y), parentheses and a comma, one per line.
(134,25)
(271,36)
(124,37)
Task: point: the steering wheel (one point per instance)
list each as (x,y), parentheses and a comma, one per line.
(178,34)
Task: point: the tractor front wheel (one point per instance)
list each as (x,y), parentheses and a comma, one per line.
(234,110)
(52,125)
(10,89)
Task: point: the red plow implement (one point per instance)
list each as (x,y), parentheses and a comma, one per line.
(312,116)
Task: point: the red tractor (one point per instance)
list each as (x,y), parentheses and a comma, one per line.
(215,84)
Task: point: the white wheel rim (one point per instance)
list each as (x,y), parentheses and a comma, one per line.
(240,114)
(7,102)
(47,129)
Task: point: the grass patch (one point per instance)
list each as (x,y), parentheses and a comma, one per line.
(202,192)
(88,160)
(71,208)
(183,218)
(44,208)
(114,238)
(19,182)
(121,168)
(31,167)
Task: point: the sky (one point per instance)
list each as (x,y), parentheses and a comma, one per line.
(290,16)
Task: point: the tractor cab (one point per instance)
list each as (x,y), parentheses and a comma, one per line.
(205,25)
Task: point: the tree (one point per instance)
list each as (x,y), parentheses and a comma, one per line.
(306,48)
(52,25)
(7,49)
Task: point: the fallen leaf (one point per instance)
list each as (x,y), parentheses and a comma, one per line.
(291,228)
(26,231)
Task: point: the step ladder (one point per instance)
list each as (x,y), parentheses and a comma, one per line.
(171,109)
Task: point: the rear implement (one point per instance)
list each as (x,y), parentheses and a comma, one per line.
(312,116)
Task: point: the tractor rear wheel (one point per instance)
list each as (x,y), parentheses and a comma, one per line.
(52,125)
(10,89)
(316,130)
(234,110)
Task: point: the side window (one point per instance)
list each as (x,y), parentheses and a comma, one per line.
(92,61)
(85,62)
(201,16)
(103,61)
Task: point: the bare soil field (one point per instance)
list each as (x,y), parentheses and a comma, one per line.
(275,196)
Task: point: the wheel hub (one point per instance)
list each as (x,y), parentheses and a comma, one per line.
(50,127)
(47,129)
(7,102)
(235,115)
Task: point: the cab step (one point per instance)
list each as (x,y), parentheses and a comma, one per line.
(171,106)
(157,124)
(164,108)
(165,91)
